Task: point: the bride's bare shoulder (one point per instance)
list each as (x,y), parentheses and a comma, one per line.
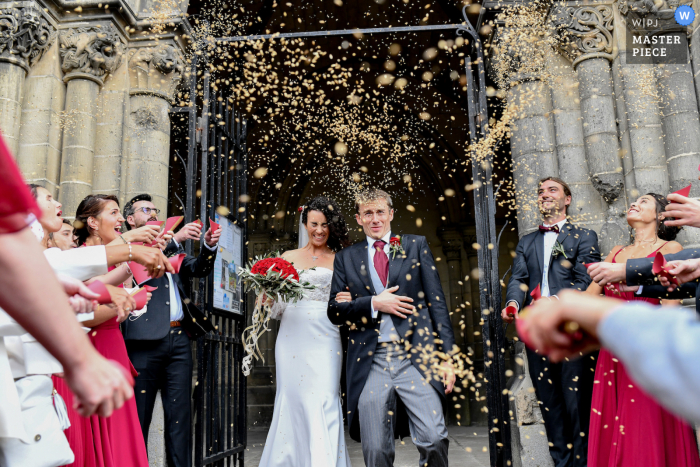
(291,254)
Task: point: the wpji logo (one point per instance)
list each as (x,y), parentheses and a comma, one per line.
(685,15)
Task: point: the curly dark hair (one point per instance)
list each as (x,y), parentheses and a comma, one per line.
(663,231)
(89,207)
(338,229)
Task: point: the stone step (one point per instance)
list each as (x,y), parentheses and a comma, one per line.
(260,415)
(261,395)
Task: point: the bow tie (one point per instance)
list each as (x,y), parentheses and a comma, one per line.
(554,228)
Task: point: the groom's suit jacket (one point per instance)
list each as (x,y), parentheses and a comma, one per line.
(428,328)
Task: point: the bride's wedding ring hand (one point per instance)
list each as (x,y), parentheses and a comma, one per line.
(398,305)
(343,297)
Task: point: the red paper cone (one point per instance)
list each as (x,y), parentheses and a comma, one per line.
(140,273)
(213,225)
(176,261)
(173,222)
(683,191)
(141,297)
(536,294)
(99,288)
(588,265)
(659,268)
(199,223)
(511,310)
(150,289)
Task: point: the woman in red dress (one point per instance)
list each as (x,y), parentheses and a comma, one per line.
(115,441)
(628,428)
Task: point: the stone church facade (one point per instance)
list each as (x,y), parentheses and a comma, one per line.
(86,87)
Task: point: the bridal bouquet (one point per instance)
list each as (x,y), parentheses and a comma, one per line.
(269,277)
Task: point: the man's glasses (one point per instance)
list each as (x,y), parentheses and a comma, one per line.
(149,211)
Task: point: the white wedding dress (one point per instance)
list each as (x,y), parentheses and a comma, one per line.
(307,424)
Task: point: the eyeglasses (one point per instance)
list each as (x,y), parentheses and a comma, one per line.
(148,211)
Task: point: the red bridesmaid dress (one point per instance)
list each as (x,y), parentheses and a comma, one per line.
(628,428)
(114,441)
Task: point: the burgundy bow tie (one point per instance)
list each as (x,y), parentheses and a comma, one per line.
(554,228)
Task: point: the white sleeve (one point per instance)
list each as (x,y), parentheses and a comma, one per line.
(78,263)
(374,312)
(278,309)
(660,348)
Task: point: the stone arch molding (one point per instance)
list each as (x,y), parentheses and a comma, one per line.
(24,36)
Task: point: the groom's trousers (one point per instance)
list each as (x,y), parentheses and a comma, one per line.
(393,375)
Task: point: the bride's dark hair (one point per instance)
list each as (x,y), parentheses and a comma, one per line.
(337,227)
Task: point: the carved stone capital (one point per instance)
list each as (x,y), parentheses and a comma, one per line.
(90,52)
(24,36)
(156,70)
(585,32)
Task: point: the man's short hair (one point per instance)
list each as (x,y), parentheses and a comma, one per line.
(129,207)
(370,195)
(567,190)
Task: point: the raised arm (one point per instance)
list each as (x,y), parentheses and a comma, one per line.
(638,271)
(356,311)
(435,297)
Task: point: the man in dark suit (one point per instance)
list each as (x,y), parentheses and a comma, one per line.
(552,257)
(157,346)
(391,386)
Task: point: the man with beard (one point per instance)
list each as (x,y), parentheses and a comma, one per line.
(158,348)
(553,258)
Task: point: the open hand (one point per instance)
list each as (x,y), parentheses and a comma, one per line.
(343,296)
(685,211)
(153,259)
(397,305)
(505,316)
(123,302)
(606,273)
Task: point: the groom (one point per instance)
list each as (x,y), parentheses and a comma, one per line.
(393,338)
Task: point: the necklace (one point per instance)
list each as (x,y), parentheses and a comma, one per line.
(314,258)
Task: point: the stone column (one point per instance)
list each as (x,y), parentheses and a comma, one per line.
(532,147)
(587,208)
(154,73)
(40,133)
(24,38)
(88,55)
(586,38)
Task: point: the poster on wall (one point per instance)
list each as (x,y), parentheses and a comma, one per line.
(227,287)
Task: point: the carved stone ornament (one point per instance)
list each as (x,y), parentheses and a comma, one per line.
(585,32)
(24,36)
(90,52)
(156,70)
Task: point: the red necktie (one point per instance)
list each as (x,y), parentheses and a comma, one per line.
(381,261)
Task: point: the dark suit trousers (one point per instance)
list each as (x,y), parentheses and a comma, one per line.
(564,391)
(166,365)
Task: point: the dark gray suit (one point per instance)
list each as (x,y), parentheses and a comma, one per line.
(428,328)
(638,272)
(564,389)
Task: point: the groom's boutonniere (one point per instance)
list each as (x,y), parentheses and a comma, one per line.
(395,246)
(558,249)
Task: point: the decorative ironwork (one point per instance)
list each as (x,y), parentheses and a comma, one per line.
(489,284)
(90,52)
(586,32)
(156,70)
(24,36)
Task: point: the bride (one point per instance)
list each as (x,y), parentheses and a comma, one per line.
(307,424)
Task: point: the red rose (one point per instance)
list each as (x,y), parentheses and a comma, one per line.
(280,265)
(395,241)
(301,208)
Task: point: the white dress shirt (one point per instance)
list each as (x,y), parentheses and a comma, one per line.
(176,313)
(550,238)
(660,349)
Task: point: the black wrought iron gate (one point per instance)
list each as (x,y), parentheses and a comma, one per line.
(216,171)
(216,168)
